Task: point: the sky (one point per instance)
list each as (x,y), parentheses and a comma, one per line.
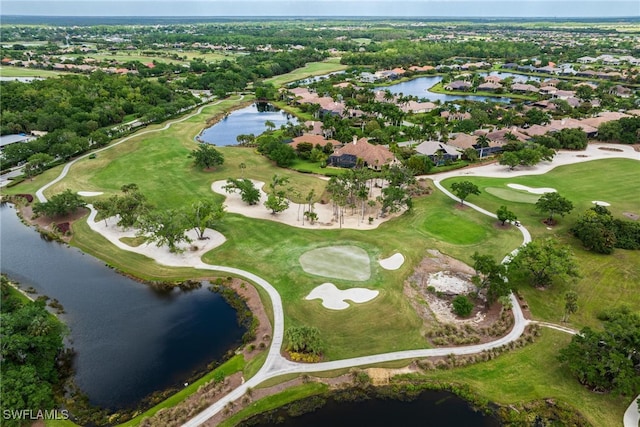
(385,8)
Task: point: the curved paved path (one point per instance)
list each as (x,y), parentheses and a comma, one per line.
(40,193)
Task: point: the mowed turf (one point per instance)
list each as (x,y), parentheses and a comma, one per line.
(606,280)
(311,69)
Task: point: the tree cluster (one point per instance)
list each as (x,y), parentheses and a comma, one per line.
(542,262)
(525,154)
(60,204)
(600,232)
(625,130)
(31,349)
(607,360)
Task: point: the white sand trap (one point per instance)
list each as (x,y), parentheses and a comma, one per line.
(190,257)
(600,203)
(394,262)
(294,215)
(90,193)
(334,298)
(443,281)
(338,262)
(534,190)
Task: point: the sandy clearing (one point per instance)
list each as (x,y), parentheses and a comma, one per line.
(533,190)
(334,298)
(90,193)
(600,203)
(345,262)
(444,281)
(190,257)
(294,215)
(394,262)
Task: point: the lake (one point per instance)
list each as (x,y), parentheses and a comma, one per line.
(246,120)
(420,87)
(130,339)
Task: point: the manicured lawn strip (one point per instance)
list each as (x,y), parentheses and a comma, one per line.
(6,71)
(533,372)
(311,69)
(231,366)
(607,280)
(60,423)
(272,402)
(306,166)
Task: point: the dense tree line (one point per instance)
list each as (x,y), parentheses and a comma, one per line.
(406,52)
(75,110)
(625,130)
(31,349)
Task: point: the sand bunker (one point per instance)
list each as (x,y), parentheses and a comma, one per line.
(294,215)
(394,262)
(190,257)
(90,193)
(600,203)
(444,281)
(337,262)
(334,298)
(533,190)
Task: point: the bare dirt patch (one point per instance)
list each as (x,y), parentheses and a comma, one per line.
(431,289)
(48,224)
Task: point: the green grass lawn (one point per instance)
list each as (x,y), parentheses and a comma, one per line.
(311,69)
(607,280)
(28,72)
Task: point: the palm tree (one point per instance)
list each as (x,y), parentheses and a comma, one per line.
(482,142)
(269,125)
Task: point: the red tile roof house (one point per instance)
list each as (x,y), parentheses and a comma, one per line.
(417,107)
(492,79)
(314,140)
(373,156)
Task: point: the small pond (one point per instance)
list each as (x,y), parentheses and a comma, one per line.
(246,120)
(130,340)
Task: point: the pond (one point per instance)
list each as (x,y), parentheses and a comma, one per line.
(246,120)
(420,88)
(430,408)
(130,340)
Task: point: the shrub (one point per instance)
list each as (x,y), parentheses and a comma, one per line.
(462,306)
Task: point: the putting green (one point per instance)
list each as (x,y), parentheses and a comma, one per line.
(512,195)
(337,262)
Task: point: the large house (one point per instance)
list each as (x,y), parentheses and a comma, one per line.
(314,140)
(438,152)
(361,152)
